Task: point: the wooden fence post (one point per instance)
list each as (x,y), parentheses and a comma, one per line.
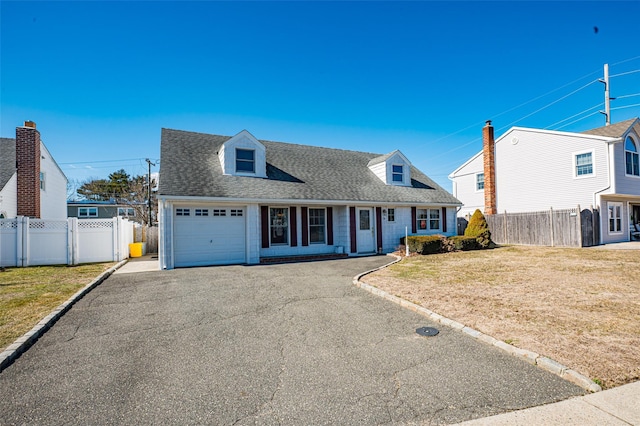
(579,220)
(551,225)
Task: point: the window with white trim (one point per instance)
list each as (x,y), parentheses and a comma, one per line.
(87,212)
(434,219)
(615,217)
(391,215)
(245,160)
(126,211)
(42,181)
(428,219)
(632,157)
(479,181)
(583,163)
(316,226)
(279,225)
(397,173)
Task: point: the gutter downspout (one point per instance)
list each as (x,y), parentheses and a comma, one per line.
(610,179)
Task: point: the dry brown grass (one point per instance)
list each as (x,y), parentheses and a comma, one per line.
(580,307)
(29,294)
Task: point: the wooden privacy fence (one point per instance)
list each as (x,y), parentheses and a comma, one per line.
(149,236)
(562,228)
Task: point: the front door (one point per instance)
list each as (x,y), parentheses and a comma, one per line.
(366,237)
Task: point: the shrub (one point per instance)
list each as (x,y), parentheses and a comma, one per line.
(424,244)
(479,229)
(462,243)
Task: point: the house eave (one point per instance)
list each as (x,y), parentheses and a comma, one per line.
(225,200)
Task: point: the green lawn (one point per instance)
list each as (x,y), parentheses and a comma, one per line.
(29,294)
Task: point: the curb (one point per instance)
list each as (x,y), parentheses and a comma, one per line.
(20,345)
(533,358)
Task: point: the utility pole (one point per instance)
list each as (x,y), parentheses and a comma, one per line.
(607,98)
(149,221)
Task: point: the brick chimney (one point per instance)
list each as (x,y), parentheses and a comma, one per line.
(28,169)
(489,154)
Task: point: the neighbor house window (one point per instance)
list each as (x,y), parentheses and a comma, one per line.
(391,215)
(316,226)
(479,181)
(87,212)
(428,219)
(279,224)
(126,211)
(615,217)
(245,160)
(584,164)
(42,185)
(632,157)
(397,173)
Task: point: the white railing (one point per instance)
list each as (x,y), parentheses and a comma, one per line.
(30,242)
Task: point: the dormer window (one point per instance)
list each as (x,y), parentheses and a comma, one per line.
(245,161)
(243,155)
(398,175)
(392,168)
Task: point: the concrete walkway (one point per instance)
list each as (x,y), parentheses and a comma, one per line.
(618,406)
(146,263)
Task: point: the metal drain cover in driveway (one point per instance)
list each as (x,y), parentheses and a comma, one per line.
(427,331)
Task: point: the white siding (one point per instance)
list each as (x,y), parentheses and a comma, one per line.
(9,198)
(341,237)
(625,184)
(380,170)
(243,140)
(606,235)
(393,231)
(53,199)
(537,172)
(253,234)
(464,186)
(384,170)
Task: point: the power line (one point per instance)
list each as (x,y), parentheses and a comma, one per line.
(627,106)
(104,161)
(624,73)
(549,104)
(573,116)
(579,119)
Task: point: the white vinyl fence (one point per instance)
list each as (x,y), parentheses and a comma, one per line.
(31,242)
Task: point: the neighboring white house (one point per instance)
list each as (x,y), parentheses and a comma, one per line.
(225,200)
(535,170)
(31,182)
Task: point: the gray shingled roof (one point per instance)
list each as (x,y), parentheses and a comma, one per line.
(7,160)
(613,131)
(190,167)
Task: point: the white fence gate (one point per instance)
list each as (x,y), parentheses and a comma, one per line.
(31,242)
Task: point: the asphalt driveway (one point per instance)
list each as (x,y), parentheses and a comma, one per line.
(277,344)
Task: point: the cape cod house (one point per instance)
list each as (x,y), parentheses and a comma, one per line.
(240,200)
(528,170)
(31,182)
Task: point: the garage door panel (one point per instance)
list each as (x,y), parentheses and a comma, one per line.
(209,239)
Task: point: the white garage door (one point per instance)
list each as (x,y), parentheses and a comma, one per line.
(208,236)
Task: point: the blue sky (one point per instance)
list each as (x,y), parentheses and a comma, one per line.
(101,79)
